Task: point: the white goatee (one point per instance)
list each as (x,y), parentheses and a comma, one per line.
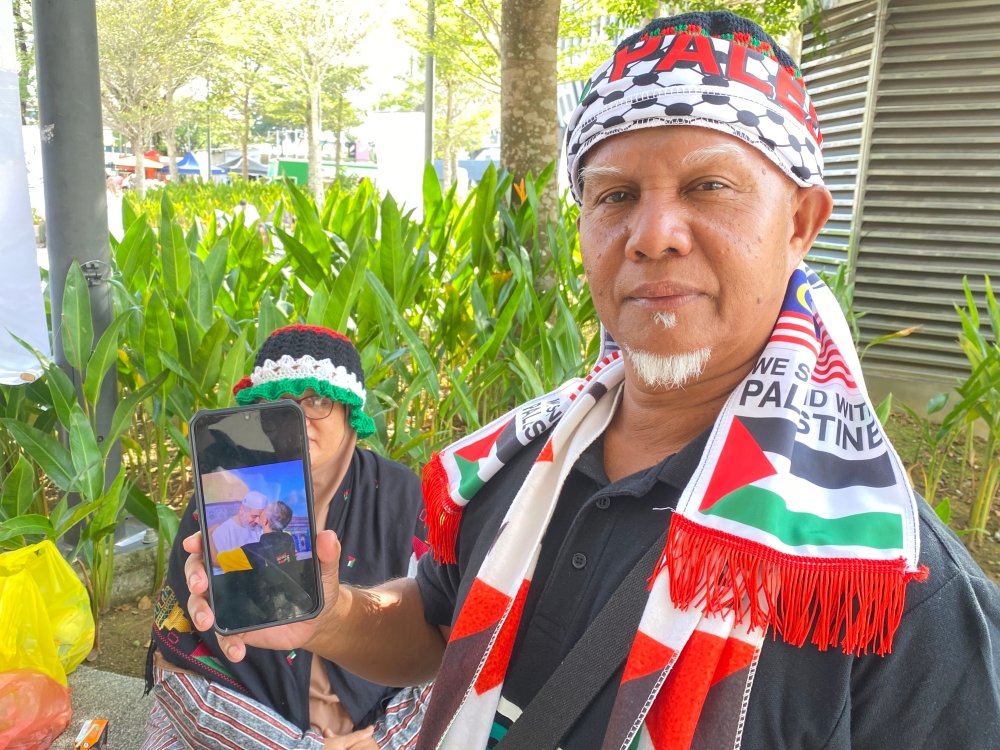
(667,319)
(667,370)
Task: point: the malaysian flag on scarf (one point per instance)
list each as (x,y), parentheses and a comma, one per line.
(799,517)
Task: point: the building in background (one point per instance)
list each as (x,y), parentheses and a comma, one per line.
(908,93)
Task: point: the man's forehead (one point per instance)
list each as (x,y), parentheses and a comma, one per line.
(683,146)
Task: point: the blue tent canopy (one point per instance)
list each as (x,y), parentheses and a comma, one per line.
(189,165)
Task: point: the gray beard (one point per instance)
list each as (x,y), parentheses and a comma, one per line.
(668,371)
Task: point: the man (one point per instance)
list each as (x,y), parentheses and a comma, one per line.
(243,528)
(275,547)
(727,451)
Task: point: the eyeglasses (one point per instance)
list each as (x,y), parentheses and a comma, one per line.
(315,407)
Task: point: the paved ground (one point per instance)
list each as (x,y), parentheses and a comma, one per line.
(104,695)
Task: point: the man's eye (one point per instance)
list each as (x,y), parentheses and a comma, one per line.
(711,185)
(617,196)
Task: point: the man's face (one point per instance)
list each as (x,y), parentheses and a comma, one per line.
(250,517)
(688,238)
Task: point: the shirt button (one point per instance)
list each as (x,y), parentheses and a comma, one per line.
(579,561)
(603,503)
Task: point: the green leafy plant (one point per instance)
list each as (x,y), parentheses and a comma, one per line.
(980,399)
(89,497)
(936,440)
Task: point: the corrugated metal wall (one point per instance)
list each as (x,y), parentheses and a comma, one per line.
(836,62)
(929,166)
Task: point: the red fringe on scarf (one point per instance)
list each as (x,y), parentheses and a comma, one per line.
(853,603)
(443,515)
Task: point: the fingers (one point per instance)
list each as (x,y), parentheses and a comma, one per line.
(233,647)
(192,543)
(201,613)
(194,573)
(327,547)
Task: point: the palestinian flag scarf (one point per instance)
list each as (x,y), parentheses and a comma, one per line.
(798,517)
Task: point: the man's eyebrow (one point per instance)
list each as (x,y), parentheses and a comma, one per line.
(597,170)
(709,153)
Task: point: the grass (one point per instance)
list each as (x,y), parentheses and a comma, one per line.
(906,438)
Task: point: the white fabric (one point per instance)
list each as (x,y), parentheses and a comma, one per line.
(230,535)
(288,367)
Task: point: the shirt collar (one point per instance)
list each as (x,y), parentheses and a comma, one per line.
(675,470)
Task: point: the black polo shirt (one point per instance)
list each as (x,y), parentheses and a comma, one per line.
(940,688)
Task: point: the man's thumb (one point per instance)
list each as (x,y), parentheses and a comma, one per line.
(327,547)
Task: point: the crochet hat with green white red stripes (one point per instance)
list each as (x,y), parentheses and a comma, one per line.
(296,358)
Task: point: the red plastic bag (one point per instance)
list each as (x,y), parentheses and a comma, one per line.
(34,710)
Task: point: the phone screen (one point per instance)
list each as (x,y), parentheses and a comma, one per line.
(255,509)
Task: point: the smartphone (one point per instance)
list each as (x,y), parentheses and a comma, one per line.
(255,505)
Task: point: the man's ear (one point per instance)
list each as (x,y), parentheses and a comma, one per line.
(812,207)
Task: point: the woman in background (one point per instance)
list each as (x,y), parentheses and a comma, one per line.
(295,699)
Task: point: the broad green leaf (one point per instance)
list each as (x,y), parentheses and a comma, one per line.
(31,523)
(346,289)
(61,391)
(45,450)
(208,358)
(135,251)
(182,443)
(74,515)
(77,324)
(139,505)
(215,265)
(174,366)
(174,263)
(317,305)
(391,259)
(431,190)
(232,370)
(88,462)
(937,403)
(943,510)
(19,488)
(122,418)
(129,214)
(158,334)
(105,354)
(883,410)
(200,296)
(527,370)
(302,260)
(111,503)
(267,319)
(187,331)
(168,523)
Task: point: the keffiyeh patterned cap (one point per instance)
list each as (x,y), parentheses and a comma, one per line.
(716,70)
(297,358)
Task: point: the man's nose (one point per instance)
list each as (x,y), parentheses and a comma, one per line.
(659,226)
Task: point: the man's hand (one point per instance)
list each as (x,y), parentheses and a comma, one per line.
(359,740)
(280,637)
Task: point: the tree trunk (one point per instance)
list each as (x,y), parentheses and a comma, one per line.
(529,124)
(22,47)
(170,136)
(138,143)
(315,156)
(339,133)
(246,133)
(448,147)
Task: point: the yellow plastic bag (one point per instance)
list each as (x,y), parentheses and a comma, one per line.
(45,618)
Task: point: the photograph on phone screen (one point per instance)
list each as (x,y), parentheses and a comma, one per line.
(257,524)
